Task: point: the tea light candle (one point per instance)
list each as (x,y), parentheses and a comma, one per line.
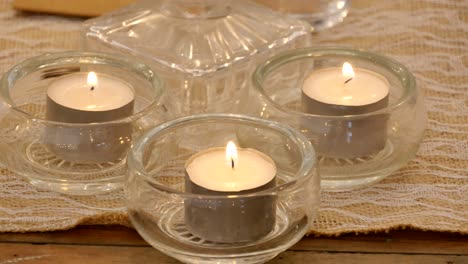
(229,172)
(85,98)
(83,92)
(346,91)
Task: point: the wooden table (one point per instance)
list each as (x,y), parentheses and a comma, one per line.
(112,244)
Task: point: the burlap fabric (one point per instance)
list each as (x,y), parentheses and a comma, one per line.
(431,193)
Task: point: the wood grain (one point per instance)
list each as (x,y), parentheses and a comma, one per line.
(112,244)
(85,8)
(78,254)
(393,242)
(83,235)
(48,254)
(357,258)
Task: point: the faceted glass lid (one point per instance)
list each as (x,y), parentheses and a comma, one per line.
(195,36)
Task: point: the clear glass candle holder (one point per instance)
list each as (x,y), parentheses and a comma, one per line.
(204,50)
(161,200)
(67,150)
(355,148)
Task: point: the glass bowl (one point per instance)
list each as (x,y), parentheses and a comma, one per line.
(63,149)
(355,148)
(162,203)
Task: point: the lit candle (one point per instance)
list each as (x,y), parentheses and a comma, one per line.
(84,98)
(346,91)
(229,172)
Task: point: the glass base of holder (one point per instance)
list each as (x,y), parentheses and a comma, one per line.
(340,174)
(189,247)
(69,177)
(321,21)
(321,14)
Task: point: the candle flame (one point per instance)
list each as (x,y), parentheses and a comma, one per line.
(347,70)
(231,154)
(92,79)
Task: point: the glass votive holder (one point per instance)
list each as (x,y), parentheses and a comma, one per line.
(178,214)
(69,118)
(358,142)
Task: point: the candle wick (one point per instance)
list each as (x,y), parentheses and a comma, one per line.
(348,80)
(232,163)
(92,88)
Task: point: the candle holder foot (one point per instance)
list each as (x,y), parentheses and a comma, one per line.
(370,167)
(82,178)
(172,225)
(321,14)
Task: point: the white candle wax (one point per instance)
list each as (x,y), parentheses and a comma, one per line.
(228,171)
(342,92)
(211,170)
(88,92)
(329,86)
(82,98)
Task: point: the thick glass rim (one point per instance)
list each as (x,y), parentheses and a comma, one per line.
(135,154)
(397,69)
(91,58)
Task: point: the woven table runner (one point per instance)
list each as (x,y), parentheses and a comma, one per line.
(431,193)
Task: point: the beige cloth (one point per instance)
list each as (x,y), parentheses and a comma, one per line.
(431,193)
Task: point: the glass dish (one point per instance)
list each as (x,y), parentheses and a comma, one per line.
(321,14)
(205,50)
(69,157)
(157,194)
(399,126)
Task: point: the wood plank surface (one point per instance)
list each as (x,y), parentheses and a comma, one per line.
(108,244)
(85,8)
(405,241)
(74,254)
(82,235)
(392,242)
(48,254)
(348,258)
